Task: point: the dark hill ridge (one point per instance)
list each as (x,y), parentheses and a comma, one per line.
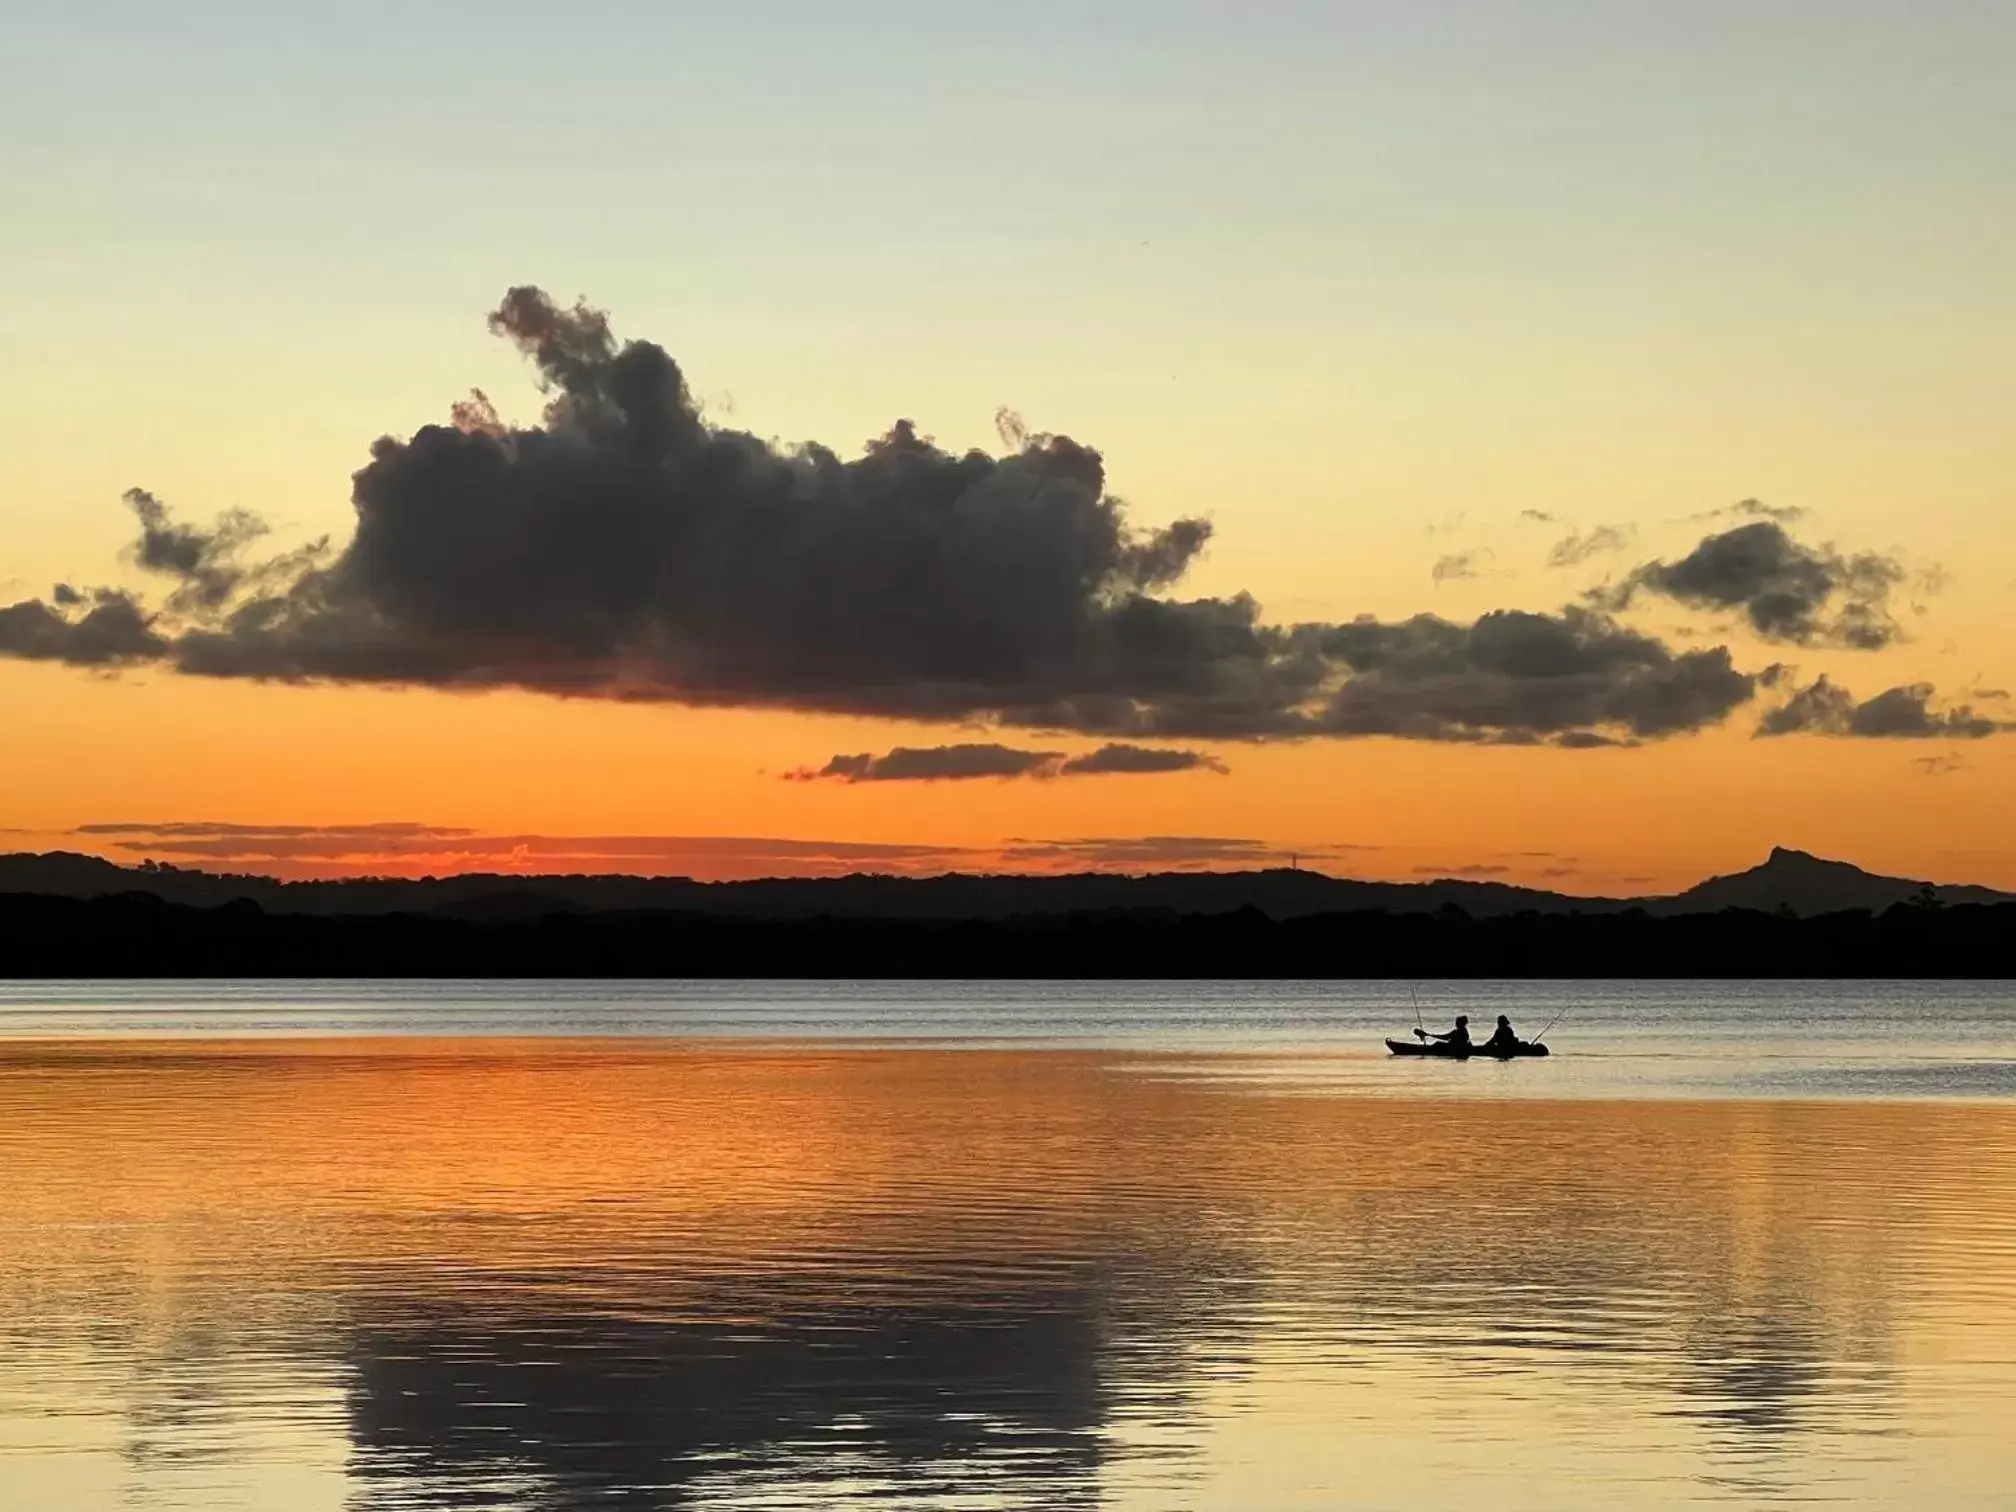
(1279,893)
(1789,880)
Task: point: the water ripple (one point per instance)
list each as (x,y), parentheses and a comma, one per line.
(540,1272)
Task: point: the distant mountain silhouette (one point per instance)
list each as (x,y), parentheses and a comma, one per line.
(1808,885)
(1790,880)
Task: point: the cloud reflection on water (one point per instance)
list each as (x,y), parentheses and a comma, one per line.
(543,1274)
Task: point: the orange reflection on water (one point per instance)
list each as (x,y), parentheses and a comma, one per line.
(1160,1280)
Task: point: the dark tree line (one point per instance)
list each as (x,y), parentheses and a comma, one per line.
(136,934)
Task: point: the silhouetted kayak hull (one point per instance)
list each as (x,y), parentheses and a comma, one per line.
(1446,1052)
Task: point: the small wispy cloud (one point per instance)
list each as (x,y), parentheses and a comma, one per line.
(1578,547)
(396,848)
(966,763)
(1168,853)
(330,834)
(1461,564)
(1940,766)
(1747,509)
(304,851)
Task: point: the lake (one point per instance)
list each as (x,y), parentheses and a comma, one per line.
(1003,1245)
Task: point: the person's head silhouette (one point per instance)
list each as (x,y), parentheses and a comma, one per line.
(1504,1022)
(1461,1020)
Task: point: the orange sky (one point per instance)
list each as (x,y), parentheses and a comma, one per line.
(1368,298)
(150,747)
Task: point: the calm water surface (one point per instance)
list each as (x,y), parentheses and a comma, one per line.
(1129,1246)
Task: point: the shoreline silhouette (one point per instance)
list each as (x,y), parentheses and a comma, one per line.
(139,935)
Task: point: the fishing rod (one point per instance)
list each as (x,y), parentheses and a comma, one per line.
(1420,1029)
(1550,1024)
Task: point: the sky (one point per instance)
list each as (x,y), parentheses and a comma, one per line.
(1679,332)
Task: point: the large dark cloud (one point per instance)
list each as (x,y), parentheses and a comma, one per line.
(1788,591)
(1824,707)
(956,763)
(625,548)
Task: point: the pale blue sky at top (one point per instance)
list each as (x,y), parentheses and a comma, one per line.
(1451,255)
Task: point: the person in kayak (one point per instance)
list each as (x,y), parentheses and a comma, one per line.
(1456,1039)
(1503,1041)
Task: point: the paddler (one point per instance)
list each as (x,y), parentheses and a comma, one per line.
(1456,1039)
(1503,1041)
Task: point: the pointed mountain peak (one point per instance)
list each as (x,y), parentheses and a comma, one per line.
(1783,856)
(1808,884)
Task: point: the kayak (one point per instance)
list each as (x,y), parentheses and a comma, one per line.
(1450,1052)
